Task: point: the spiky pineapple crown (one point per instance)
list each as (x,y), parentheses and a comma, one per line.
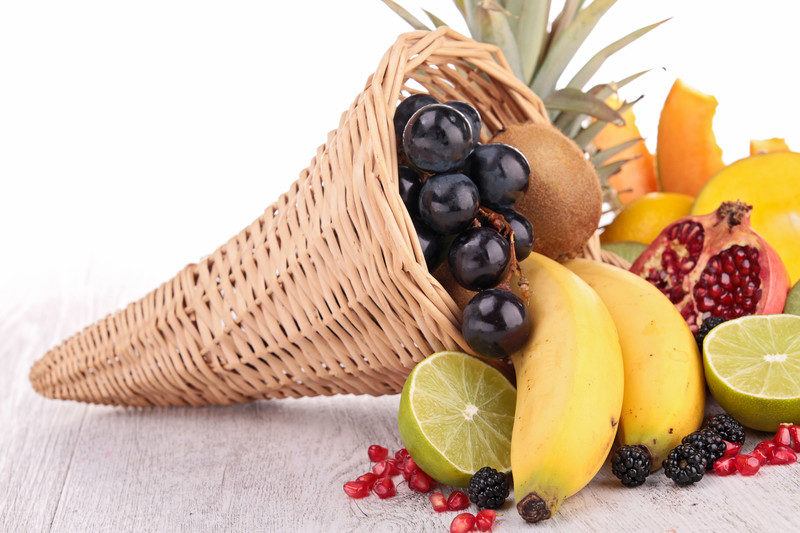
(539,52)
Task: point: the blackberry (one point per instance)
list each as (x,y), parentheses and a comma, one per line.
(726,427)
(709,443)
(684,465)
(631,464)
(705,328)
(488,488)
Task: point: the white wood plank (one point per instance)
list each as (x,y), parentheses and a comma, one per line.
(272,466)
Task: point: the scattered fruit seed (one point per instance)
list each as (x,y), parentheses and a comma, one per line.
(462,523)
(384,468)
(438,501)
(484,520)
(369,478)
(409,468)
(794,432)
(401,456)
(421,482)
(725,466)
(747,465)
(377,453)
(761,455)
(781,455)
(356,489)
(384,488)
(458,501)
(783,437)
(731,449)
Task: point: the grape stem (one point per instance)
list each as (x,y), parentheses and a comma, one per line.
(499,222)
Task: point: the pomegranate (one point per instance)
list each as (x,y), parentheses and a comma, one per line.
(377,453)
(725,466)
(715,265)
(462,523)
(484,520)
(438,501)
(458,501)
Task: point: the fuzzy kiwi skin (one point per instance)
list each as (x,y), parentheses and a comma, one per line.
(564,201)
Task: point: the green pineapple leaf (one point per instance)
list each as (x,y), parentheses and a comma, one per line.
(492,26)
(565,44)
(602,156)
(587,134)
(413,21)
(529,24)
(610,169)
(436,20)
(593,65)
(577,101)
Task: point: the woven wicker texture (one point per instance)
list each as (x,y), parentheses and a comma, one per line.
(326,292)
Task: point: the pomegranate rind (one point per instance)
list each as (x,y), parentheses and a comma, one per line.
(691,244)
(771,184)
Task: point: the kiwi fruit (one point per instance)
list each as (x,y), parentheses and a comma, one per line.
(564,201)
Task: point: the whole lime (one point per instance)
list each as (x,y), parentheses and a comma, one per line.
(793,301)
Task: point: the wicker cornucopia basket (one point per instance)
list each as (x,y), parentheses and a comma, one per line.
(327,291)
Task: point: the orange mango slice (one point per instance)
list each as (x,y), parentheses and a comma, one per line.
(687,153)
(637,177)
(771,184)
(767,146)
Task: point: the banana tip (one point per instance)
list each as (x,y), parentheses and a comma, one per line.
(532,508)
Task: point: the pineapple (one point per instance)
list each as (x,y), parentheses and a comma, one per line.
(538,53)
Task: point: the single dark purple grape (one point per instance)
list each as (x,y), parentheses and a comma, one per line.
(410,185)
(433,245)
(438,138)
(472,115)
(496,323)
(523,232)
(478,258)
(501,173)
(405,109)
(448,203)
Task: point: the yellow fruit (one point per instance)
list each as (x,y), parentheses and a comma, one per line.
(664,386)
(569,390)
(767,146)
(637,177)
(644,218)
(687,153)
(771,184)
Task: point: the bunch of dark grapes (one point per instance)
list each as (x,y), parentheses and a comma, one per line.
(461,195)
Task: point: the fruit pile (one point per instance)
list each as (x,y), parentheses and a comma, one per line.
(461,195)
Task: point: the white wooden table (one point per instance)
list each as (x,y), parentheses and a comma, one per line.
(269,466)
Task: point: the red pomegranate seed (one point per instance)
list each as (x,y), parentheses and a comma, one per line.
(462,523)
(369,478)
(484,520)
(747,465)
(401,455)
(731,449)
(377,453)
(781,455)
(794,432)
(763,449)
(384,468)
(421,482)
(458,501)
(356,489)
(384,488)
(725,466)
(783,437)
(409,468)
(438,501)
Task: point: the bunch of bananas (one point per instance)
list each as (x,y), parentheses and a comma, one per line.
(610,357)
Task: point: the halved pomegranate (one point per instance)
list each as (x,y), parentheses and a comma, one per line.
(715,265)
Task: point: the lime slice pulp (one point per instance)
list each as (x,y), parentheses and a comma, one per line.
(753,369)
(456,415)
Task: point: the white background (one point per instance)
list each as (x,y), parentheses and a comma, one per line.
(137,136)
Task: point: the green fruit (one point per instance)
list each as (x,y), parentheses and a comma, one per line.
(628,250)
(753,369)
(793,301)
(456,415)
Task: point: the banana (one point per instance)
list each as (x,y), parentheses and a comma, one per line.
(664,385)
(569,390)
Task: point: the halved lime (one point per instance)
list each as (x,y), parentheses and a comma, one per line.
(793,301)
(456,415)
(753,369)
